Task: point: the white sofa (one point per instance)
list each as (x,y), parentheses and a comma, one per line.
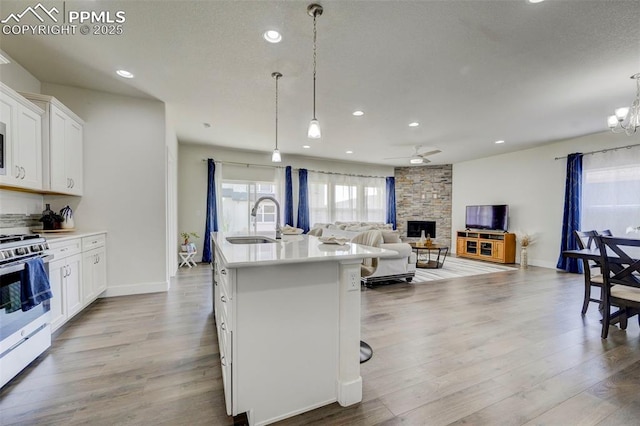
(401,266)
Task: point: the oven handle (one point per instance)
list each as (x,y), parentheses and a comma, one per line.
(20,265)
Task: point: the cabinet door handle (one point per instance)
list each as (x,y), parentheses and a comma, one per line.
(17,172)
(72,183)
(223,272)
(223,327)
(223,299)
(24,172)
(224,364)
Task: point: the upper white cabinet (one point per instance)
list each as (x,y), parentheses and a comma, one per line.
(22,150)
(62,146)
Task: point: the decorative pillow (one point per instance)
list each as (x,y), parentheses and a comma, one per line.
(336,226)
(320,225)
(391,236)
(358,228)
(337,232)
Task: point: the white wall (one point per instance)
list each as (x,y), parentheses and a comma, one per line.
(15,202)
(192,179)
(532,183)
(18,78)
(124,184)
(171,191)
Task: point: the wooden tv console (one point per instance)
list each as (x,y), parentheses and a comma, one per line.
(493,246)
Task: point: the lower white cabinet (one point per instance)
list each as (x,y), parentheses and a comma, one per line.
(94,267)
(78,275)
(65,276)
(223,277)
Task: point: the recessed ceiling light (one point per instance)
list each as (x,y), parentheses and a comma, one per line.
(414,124)
(124,73)
(306,146)
(206,125)
(536,1)
(272,36)
(499,141)
(358,113)
(349,152)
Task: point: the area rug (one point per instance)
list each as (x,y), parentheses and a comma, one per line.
(455,267)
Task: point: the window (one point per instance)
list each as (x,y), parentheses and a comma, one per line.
(611,191)
(238,199)
(334,197)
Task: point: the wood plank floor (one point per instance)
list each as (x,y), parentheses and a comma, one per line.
(509,348)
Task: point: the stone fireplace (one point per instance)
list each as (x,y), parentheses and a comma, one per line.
(423,193)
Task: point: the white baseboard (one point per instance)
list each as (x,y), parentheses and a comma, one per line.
(139,288)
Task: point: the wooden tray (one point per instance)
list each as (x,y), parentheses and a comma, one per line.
(52,231)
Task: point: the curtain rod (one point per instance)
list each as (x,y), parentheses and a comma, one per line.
(604,150)
(282,167)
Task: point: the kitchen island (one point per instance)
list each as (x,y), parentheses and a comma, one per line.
(287,314)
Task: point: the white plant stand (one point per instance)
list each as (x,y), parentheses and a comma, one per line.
(187,258)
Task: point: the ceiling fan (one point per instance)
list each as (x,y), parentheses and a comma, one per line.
(417,157)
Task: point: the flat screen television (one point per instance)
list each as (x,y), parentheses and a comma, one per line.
(415,227)
(493,217)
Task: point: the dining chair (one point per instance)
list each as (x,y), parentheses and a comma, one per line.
(621,280)
(592,274)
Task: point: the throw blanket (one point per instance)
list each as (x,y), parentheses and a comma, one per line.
(35,284)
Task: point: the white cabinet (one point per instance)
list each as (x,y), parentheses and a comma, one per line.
(62,136)
(23,140)
(77,274)
(94,267)
(223,308)
(65,277)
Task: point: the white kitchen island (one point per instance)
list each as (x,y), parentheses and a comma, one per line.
(288,320)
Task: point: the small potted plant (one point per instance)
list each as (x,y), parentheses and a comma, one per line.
(188,246)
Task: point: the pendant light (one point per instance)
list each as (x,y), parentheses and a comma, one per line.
(275,157)
(314,10)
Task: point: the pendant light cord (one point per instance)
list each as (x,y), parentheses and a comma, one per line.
(277,77)
(314,64)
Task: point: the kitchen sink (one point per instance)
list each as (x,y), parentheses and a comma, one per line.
(251,240)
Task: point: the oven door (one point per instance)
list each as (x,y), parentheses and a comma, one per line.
(12,318)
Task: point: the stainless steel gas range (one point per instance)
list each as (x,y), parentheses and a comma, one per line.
(23,334)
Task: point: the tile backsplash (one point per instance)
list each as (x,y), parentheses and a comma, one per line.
(20,209)
(9,220)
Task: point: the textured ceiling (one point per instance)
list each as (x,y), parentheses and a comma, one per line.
(470,72)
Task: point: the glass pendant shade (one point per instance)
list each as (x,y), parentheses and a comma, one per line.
(314,129)
(621,113)
(275,157)
(612,121)
(627,119)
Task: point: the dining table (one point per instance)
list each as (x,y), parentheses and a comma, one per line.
(593,254)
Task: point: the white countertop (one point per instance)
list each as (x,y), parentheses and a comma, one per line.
(290,249)
(63,236)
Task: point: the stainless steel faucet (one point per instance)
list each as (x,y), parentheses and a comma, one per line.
(254,211)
